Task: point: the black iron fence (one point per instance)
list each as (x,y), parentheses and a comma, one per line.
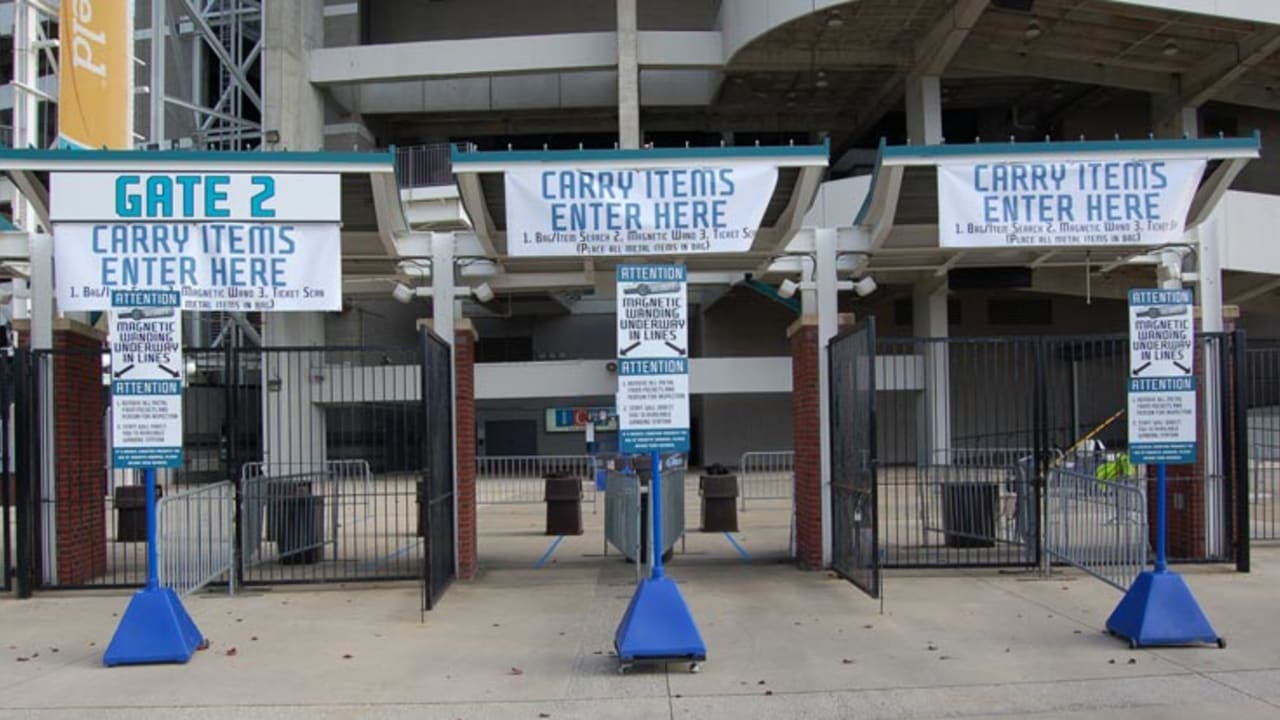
(1262,431)
(8,491)
(970,431)
(437,504)
(854,495)
(326,447)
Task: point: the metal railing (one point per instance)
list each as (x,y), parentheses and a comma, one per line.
(766,476)
(195,531)
(425,165)
(520,479)
(1097,525)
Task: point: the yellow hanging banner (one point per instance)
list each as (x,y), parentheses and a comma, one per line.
(95,74)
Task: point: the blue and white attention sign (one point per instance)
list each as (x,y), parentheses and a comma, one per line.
(223,242)
(146,380)
(587,210)
(653,367)
(1046,203)
(1162,386)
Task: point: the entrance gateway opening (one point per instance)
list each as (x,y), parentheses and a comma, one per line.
(883,427)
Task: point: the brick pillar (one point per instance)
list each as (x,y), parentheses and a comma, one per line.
(79,451)
(464,357)
(806,440)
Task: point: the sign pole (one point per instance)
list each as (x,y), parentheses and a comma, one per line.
(1158,608)
(655,492)
(146,399)
(1162,518)
(153,552)
(653,417)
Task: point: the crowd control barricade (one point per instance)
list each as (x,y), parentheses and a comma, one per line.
(520,479)
(766,476)
(1097,525)
(195,538)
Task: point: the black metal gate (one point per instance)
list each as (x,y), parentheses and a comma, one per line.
(327,448)
(854,501)
(973,432)
(8,491)
(437,514)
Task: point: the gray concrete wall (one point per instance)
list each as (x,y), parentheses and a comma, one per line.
(730,425)
(393,21)
(549,443)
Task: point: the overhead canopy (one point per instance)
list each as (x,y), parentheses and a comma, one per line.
(372,216)
(479,176)
(900,212)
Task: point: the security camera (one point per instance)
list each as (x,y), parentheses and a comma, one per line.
(403,293)
(865,286)
(788,288)
(483,292)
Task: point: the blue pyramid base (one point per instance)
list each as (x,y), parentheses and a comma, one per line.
(155,629)
(658,625)
(1159,609)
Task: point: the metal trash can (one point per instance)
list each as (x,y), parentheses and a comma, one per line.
(300,538)
(719,502)
(969,511)
(279,491)
(131,512)
(563,494)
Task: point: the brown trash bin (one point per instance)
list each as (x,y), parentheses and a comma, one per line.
(719,502)
(131,512)
(563,494)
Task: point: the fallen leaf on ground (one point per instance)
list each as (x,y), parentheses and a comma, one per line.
(847,661)
(23,659)
(515,671)
(204,644)
(232,652)
(347,656)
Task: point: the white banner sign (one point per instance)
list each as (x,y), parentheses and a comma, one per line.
(653,312)
(650,211)
(1046,203)
(146,380)
(1162,389)
(653,405)
(227,266)
(653,368)
(185,197)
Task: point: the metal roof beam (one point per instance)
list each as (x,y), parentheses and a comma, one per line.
(1225,66)
(1075,71)
(1256,291)
(934,53)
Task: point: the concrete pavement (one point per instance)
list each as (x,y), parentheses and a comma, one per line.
(530,643)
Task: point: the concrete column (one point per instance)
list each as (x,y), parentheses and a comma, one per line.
(291,105)
(1172,119)
(293,421)
(628,76)
(824,276)
(924,109)
(929,317)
